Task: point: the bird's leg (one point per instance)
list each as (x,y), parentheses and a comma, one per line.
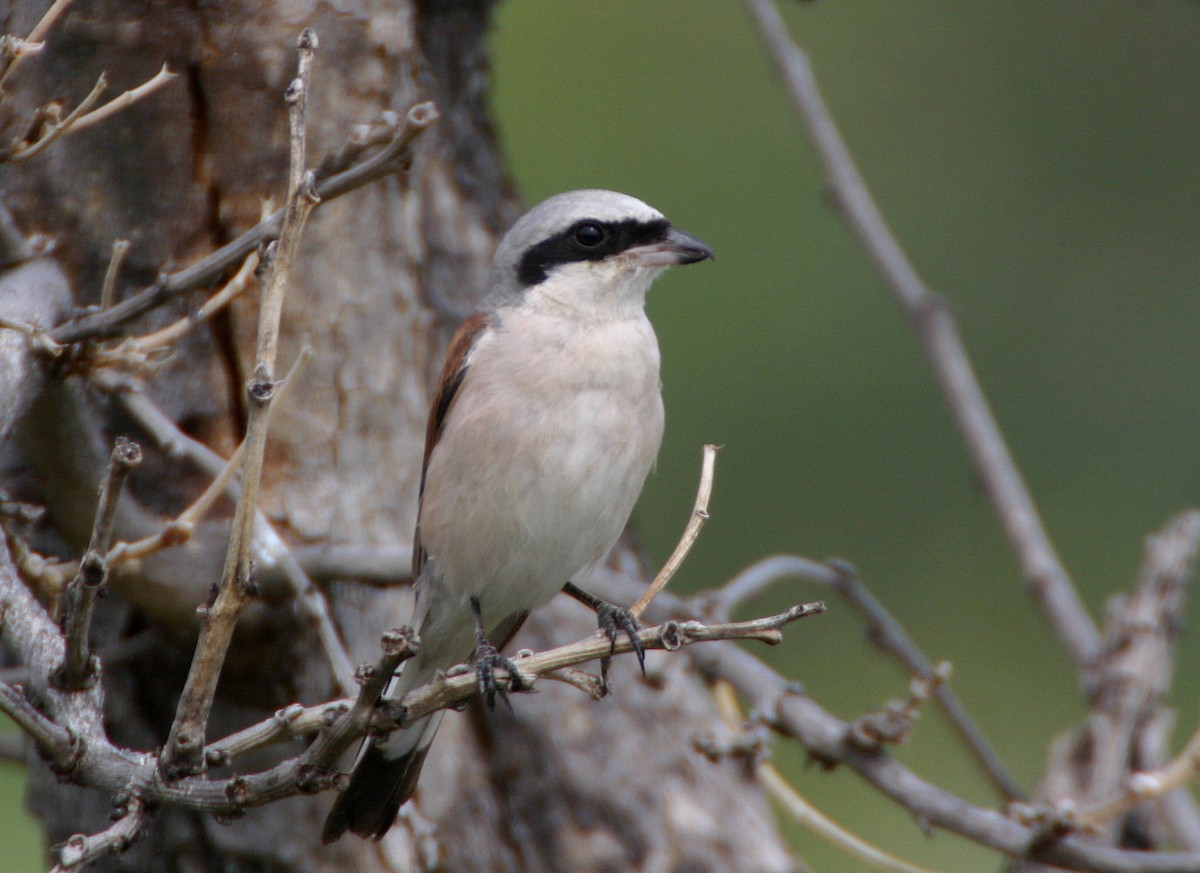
(613,621)
(487,659)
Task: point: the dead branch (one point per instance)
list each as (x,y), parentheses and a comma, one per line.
(32,44)
(777,700)
(280,574)
(82,849)
(1099,770)
(795,803)
(123,101)
(883,630)
(184,752)
(51,127)
(394,157)
(691,532)
(84,754)
(78,668)
(120,249)
(134,351)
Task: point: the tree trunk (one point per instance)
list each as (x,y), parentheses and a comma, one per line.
(385,273)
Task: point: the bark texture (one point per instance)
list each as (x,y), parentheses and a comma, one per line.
(386,272)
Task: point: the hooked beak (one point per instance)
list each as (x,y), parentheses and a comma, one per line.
(677,247)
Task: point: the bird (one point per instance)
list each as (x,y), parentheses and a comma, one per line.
(546,421)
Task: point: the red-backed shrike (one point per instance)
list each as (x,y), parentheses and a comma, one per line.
(546,421)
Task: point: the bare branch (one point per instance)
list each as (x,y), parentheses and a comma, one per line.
(934,323)
(135,348)
(185,744)
(81,849)
(279,573)
(32,43)
(78,668)
(394,157)
(90,759)
(691,532)
(798,807)
(58,743)
(123,101)
(53,128)
(884,631)
(398,646)
(824,736)
(1100,771)
(120,248)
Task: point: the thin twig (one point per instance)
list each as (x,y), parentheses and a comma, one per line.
(399,645)
(457,686)
(82,849)
(57,8)
(143,345)
(53,130)
(391,159)
(690,533)
(57,742)
(78,669)
(798,807)
(120,248)
(936,327)
(81,119)
(124,100)
(277,568)
(1148,785)
(884,631)
(185,744)
(891,637)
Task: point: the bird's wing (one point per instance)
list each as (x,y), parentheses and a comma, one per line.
(454,369)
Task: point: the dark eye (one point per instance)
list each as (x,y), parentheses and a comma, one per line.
(590,234)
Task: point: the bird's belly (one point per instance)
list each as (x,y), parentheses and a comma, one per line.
(546,492)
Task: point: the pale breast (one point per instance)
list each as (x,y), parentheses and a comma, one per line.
(536,474)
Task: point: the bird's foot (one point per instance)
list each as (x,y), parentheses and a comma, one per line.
(613,621)
(487,659)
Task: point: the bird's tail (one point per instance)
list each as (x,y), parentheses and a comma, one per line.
(384,776)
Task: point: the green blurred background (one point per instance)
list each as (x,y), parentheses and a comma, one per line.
(1039,161)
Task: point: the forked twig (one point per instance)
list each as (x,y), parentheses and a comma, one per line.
(22,51)
(77,669)
(798,807)
(82,849)
(391,158)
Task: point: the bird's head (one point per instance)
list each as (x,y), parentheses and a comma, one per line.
(591,250)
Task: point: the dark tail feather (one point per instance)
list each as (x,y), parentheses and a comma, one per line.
(378,787)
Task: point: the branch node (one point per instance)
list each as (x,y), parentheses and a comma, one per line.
(331,714)
(308,42)
(262,387)
(672,636)
(400,641)
(236,792)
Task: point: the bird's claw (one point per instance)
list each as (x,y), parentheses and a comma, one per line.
(613,621)
(487,659)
